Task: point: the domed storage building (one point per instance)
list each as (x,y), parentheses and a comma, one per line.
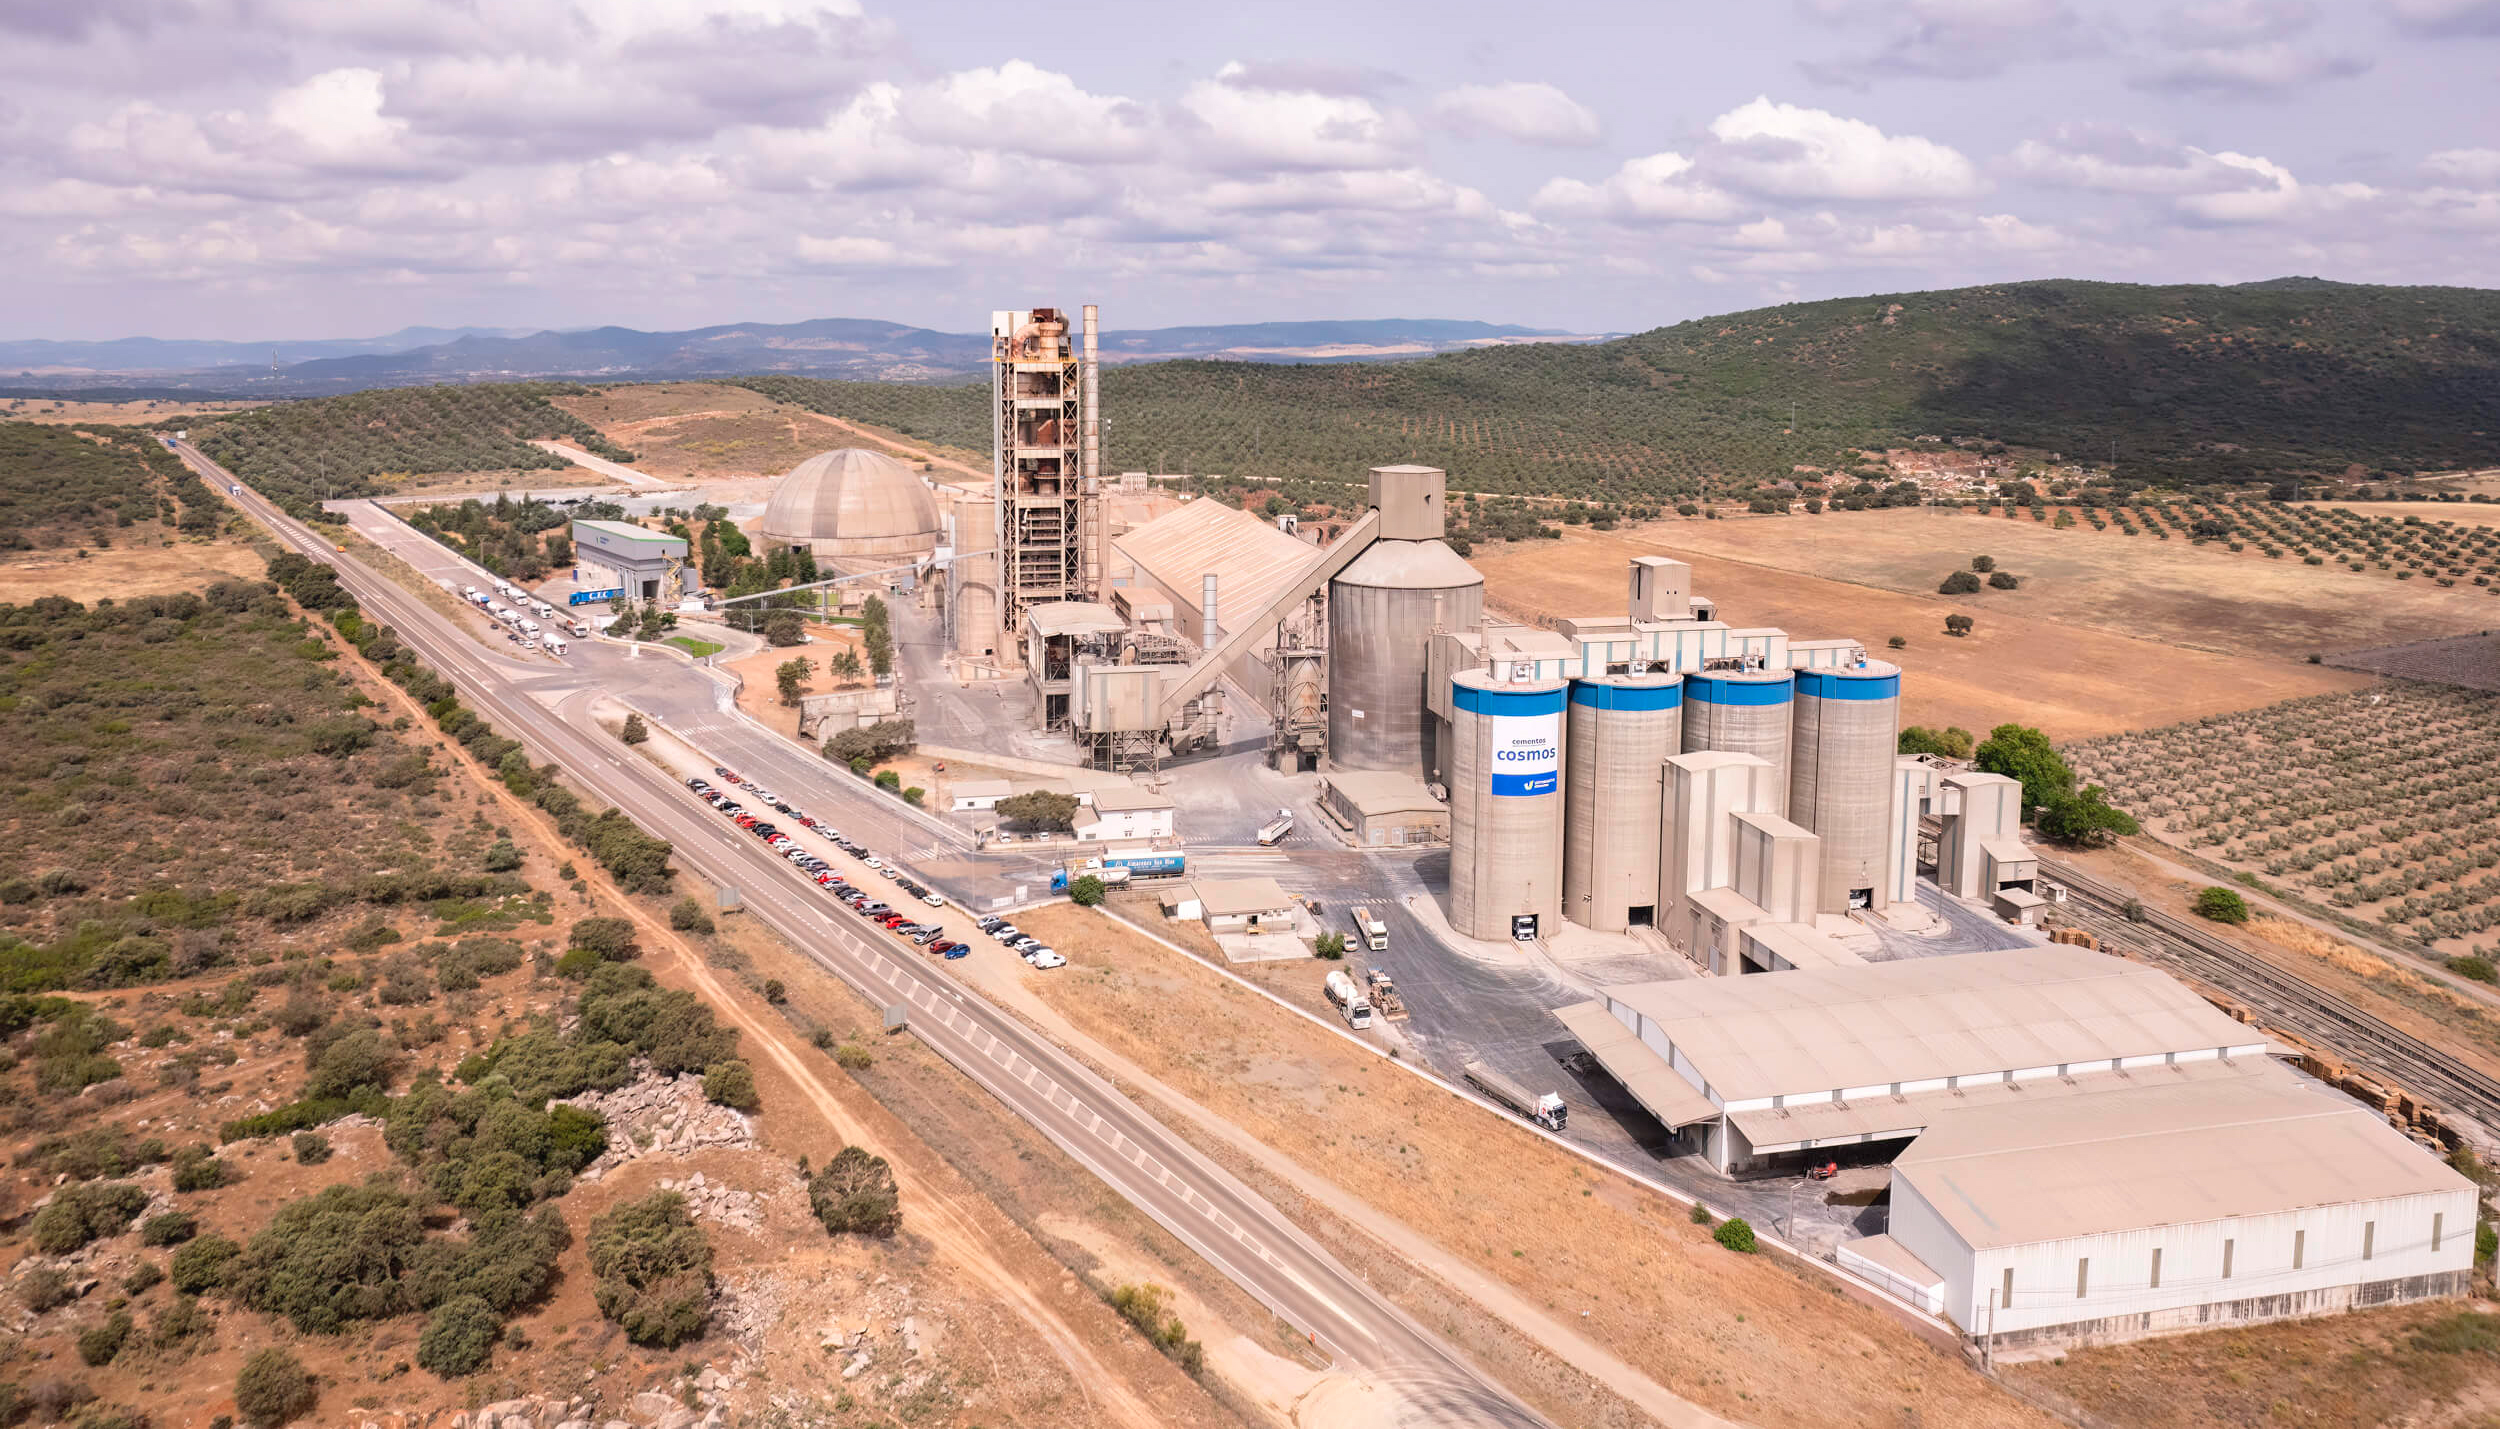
(857,510)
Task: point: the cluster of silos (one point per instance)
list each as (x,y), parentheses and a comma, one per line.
(1623,728)
(1744,712)
(1382,612)
(1844,735)
(1506,806)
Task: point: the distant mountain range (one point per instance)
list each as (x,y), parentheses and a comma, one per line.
(855,348)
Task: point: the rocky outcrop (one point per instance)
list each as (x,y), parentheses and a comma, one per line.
(655,1115)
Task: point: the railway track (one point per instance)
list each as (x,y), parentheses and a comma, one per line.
(2294,1005)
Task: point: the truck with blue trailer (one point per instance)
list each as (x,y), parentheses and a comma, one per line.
(1121,867)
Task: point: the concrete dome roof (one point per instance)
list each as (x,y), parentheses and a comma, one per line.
(852,495)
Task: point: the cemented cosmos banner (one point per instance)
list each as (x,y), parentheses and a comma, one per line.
(1527,754)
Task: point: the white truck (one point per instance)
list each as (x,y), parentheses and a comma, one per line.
(1546,1110)
(579,627)
(498,609)
(1371,931)
(1274,830)
(509,616)
(504,589)
(556,646)
(1349,1001)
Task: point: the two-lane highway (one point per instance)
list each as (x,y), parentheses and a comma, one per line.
(1237,1232)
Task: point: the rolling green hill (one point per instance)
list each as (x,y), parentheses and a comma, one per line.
(2187,384)
(2192,383)
(299,454)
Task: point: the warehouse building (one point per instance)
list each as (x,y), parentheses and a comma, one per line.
(618,560)
(2141,1209)
(2085,1150)
(1384,809)
(1775,1070)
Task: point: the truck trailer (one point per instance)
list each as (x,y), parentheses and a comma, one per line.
(1546,1110)
(1371,931)
(1349,1001)
(1274,830)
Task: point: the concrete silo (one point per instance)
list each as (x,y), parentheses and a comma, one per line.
(1622,730)
(1506,806)
(1742,712)
(1845,737)
(1382,610)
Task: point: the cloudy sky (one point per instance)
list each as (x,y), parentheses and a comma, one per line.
(308,168)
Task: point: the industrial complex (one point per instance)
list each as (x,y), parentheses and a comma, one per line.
(2065,1146)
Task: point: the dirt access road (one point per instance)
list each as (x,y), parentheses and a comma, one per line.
(962,1228)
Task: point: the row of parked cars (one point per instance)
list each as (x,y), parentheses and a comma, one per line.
(930,936)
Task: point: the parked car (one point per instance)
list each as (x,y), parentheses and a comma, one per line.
(1043,959)
(990,924)
(953,950)
(928,934)
(933,900)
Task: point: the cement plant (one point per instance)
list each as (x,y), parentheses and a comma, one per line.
(1651,879)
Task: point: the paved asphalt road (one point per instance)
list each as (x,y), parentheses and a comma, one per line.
(1233,1228)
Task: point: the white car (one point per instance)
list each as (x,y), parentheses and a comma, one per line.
(932,900)
(1043,959)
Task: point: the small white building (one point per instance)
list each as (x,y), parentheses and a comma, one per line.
(1124,813)
(2146,1209)
(1244,905)
(974,794)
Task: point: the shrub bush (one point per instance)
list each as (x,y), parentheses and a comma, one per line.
(1144,1307)
(687,916)
(311,1148)
(653,1270)
(1736,1235)
(204,1264)
(1959,583)
(78,1214)
(2221,905)
(197,1169)
(855,1195)
(459,1337)
(1086,892)
(732,1084)
(99,1343)
(45,1288)
(273,1388)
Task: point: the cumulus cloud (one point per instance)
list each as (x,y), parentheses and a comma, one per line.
(1529,112)
(2276,196)
(2446,17)
(1241,124)
(2205,187)
(2470,166)
(2242,48)
(2269,69)
(1947,39)
(1795,152)
(1021,107)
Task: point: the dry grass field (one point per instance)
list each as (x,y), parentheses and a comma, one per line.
(710,430)
(2201,597)
(2419,1367)
(1726,1331)
(2464,513)
(124,572)
(37,409)
(2069,679)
